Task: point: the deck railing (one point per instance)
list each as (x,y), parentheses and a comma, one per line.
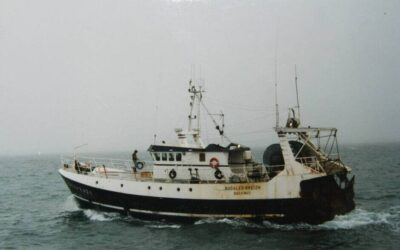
(120,164)
(124,169)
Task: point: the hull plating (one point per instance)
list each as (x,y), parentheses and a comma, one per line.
(321,199)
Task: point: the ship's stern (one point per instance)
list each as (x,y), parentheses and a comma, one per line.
(328,196)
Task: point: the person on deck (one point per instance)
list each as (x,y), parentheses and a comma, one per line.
(134,159)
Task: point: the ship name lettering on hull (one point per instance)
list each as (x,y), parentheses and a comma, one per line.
(242,190)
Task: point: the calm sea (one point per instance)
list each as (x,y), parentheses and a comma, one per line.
(37,211)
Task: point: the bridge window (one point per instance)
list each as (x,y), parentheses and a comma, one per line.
(178,156)
(156,156)
(171,157)
(202,157)
(164,156)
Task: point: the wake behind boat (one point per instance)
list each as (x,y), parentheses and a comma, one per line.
(301,178)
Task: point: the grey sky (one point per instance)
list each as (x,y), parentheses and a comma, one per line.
(113,73)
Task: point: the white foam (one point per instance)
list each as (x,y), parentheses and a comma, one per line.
(288,227)
(395,218)
(165,226)
(70,204)
(357,218)
(99,216)
(232,222)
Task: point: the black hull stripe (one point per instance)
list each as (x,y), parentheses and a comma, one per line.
(260,206)
(284,210)
(178,214)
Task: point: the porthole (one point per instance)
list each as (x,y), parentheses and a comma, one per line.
(190,189)
(148,187)
(178,189)
(122,185)
(97,182)
(160,188)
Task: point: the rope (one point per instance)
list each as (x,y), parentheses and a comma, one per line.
(221,131)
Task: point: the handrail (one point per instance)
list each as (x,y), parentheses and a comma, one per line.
(123,169)
(97,161)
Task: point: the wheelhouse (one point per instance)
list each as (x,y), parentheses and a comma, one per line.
(185,156)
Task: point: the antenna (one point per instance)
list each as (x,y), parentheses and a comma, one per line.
(276,101)
(276,82)
(192,69)
(198,108)
(297,91)
(156,125)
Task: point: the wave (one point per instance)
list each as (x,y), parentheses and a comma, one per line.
(356,219)
(395,218)
(71,208)
(163,226)
(231,222)
(70,205)
(95,215)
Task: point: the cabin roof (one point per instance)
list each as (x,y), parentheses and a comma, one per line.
(209,148)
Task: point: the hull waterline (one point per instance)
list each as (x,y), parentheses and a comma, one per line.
(321,199)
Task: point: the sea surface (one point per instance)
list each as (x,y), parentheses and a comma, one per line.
(37,211)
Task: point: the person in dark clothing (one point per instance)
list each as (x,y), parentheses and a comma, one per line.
(134,156)
(76,164)
(134,159)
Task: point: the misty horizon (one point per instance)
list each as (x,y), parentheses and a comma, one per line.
(113,74)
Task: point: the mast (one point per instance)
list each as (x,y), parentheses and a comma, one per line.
(276,91)
(200,97)
(297,91)
(195,100)
(276,105)
(276,79)
(196,95)
(190,117)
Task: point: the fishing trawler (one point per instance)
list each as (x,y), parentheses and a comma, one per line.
(300,179)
